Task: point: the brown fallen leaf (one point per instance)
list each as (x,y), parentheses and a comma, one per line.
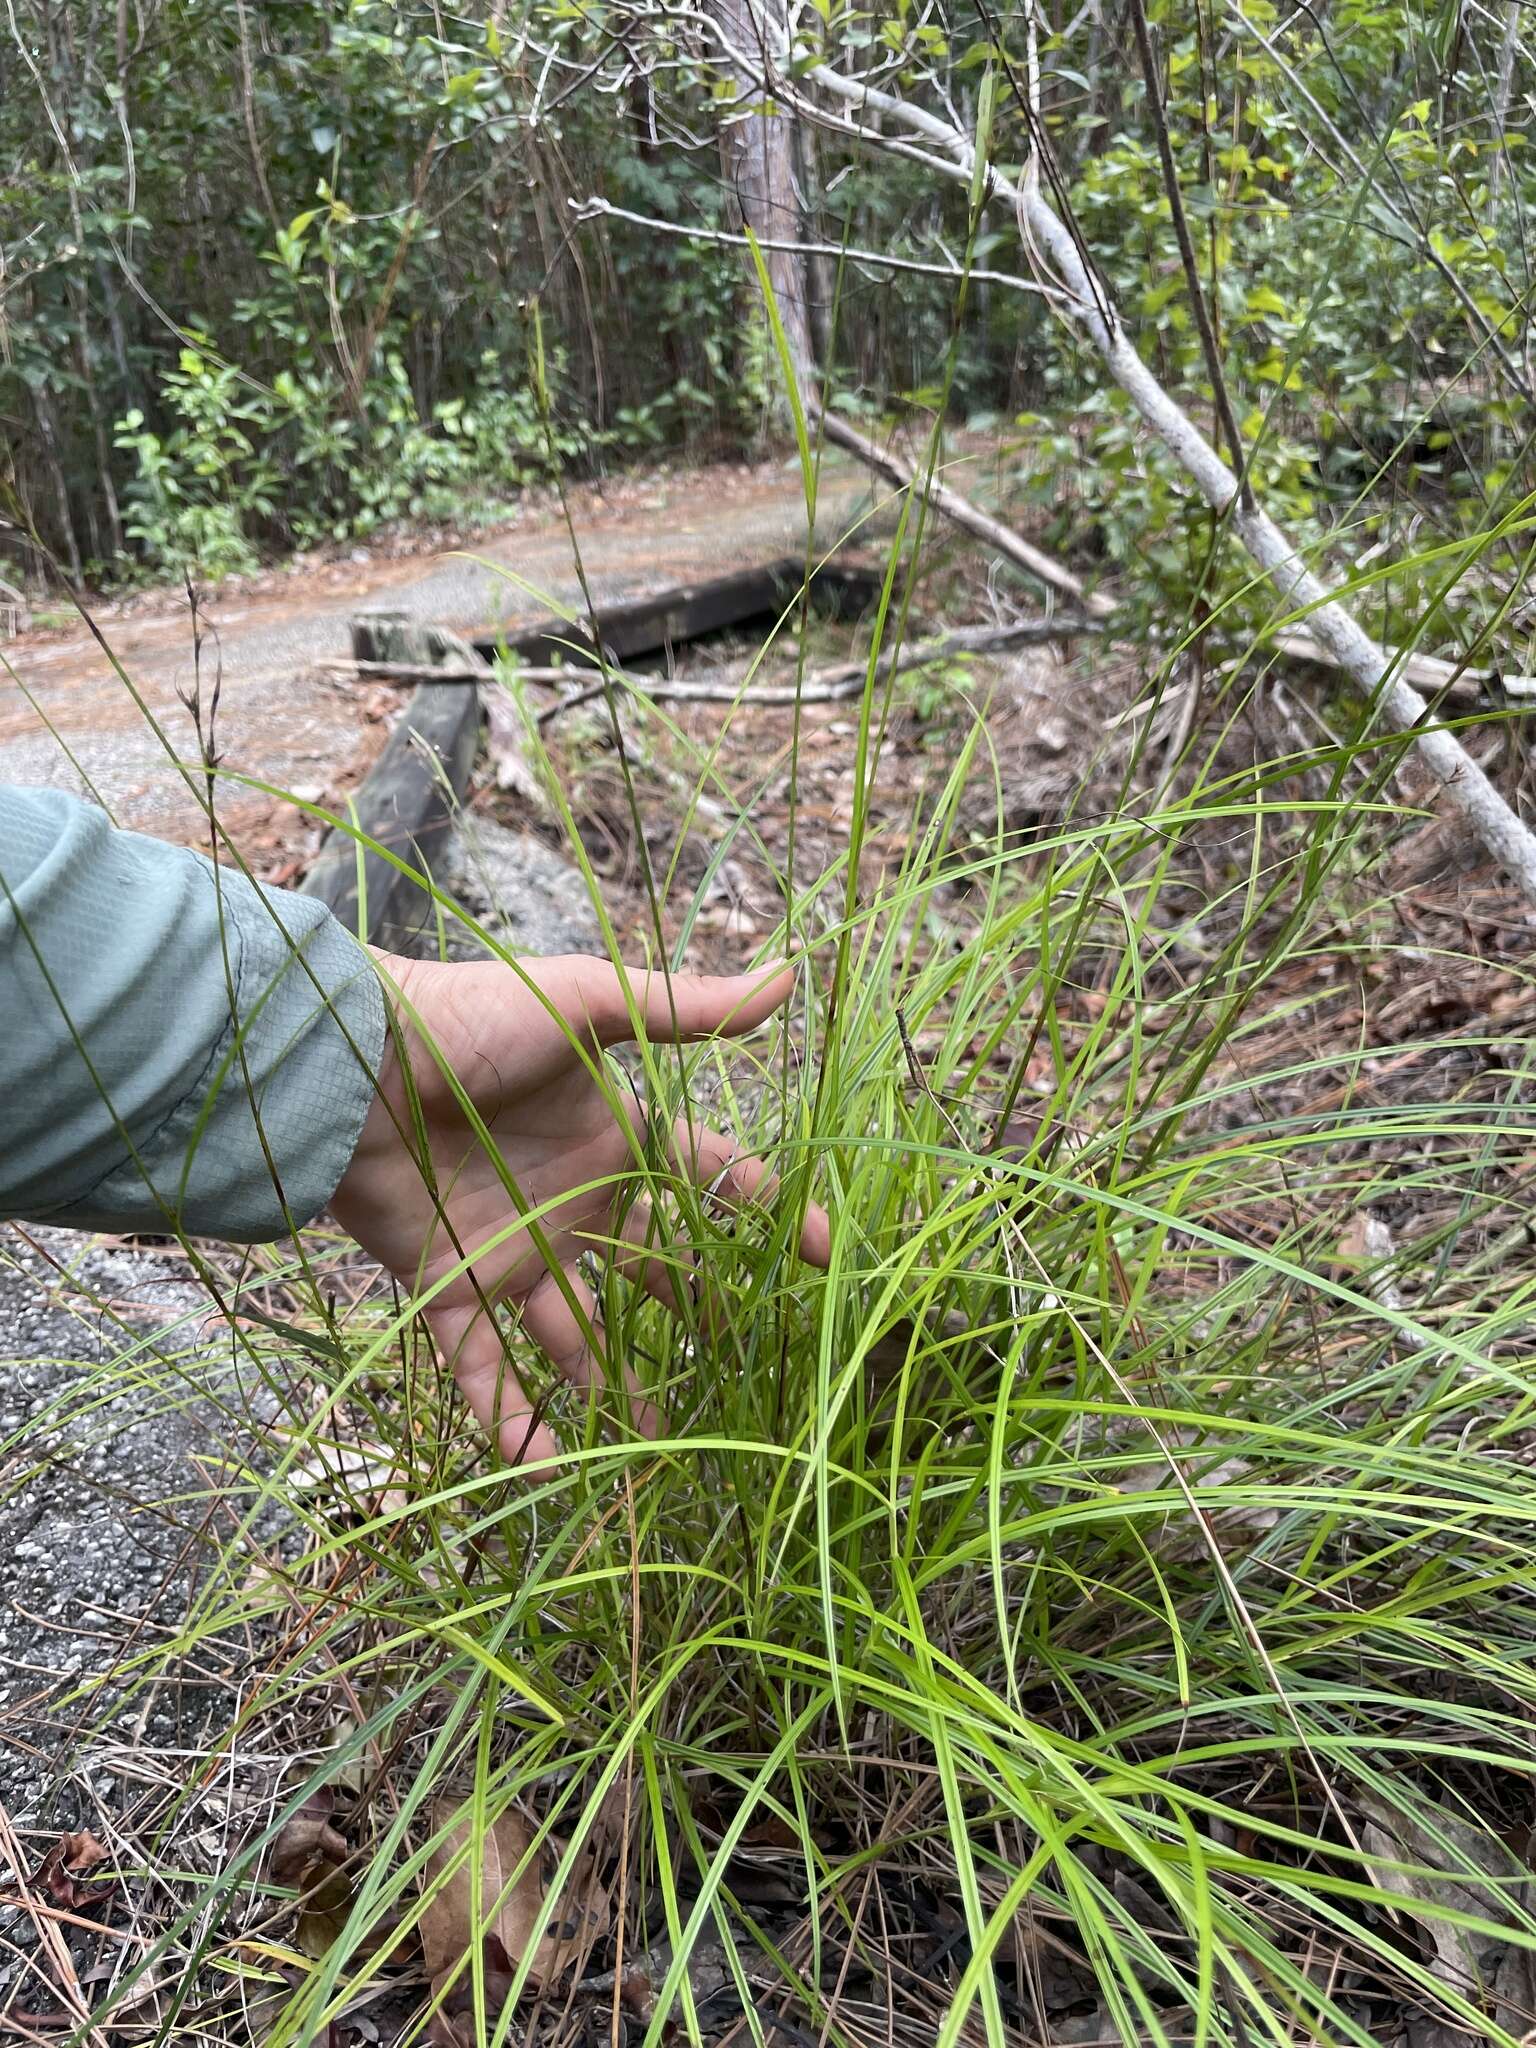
(637,1995)
(453,2024)
(65,1871)
(514,1881)
(1433,1859)
(309,1857)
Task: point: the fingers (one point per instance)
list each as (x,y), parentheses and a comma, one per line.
(714,1163)
(562,1321)
(677,1007)
(471,1343)
(682,1007)
(569,1336)
(643,1258)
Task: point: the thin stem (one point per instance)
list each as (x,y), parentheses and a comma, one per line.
(1197,299)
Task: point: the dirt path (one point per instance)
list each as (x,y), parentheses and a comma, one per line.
(66,699)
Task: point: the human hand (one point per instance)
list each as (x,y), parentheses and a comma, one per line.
(522,1044)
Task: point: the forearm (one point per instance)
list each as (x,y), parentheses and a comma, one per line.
(179,1048)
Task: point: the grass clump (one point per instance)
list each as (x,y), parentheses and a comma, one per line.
(1098,1607)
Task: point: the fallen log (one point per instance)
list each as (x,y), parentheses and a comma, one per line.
(404,805)
(821,686)
(1431,672)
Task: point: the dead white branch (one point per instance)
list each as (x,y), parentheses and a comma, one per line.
(1430,672)
(895,469)
(881,259)
(822,686)
(1427,671)
(1462,782)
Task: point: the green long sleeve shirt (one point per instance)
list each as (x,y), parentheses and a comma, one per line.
(179,1047)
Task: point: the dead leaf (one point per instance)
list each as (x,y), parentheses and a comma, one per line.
(1177,1536)
(514,1879)
(1365,1240)
(444,2031)
(64,1871)
(82,1852)
(772,1833)
(637,1995)
(889,1355)
(305,1852)
(1462,1867)
(264,2008)
(1514,1992)
(1032,1131)
(309,1857)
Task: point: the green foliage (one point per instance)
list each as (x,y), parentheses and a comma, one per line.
(350,202)
(240,460)
(1097,1544)
(1358,276)
(377,210)
(198,488)
(1097,1547)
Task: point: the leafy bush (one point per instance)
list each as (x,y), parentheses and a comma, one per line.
(243,462)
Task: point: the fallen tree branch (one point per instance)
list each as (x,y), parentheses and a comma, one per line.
(960,511)
(822,686)
(411,672)
(1463,783)
(603,209)
(1431,672)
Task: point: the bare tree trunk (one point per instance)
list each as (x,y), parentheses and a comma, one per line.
(819,274)
(1503,94)
(49,435)
(758,150)
(96,413)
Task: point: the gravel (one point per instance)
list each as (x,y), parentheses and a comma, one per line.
(113,1393)
(530,899)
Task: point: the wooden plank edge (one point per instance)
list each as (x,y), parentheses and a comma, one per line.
(407,803)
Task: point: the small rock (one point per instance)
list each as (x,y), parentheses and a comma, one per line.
(528,898)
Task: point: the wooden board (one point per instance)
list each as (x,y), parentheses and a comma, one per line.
(407,799)
(406,803)
(643,627)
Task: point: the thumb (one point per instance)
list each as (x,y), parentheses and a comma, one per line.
(679,1007)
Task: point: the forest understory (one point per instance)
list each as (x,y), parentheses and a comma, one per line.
(1295,1347)
(1095,1605)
